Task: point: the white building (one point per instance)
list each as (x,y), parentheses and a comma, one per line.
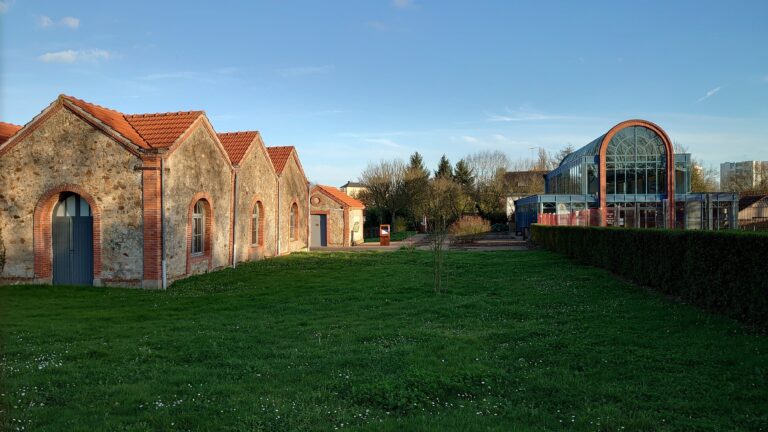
(742,175)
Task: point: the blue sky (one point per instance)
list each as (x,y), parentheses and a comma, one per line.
(352,82)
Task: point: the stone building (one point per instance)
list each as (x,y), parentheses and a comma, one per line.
(292,200)
(337,218)
(89,195)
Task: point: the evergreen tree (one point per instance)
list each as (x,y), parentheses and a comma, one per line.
(416,166)
(444,169)
(462,174)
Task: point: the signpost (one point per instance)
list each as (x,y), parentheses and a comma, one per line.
(384,235)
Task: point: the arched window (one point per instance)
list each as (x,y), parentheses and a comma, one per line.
(636,162)
(198,228)
(257,228)
(294,221)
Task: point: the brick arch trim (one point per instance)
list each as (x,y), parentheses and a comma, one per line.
(670,153)
(208,235)
(296,220)
(43,237)
(256,200)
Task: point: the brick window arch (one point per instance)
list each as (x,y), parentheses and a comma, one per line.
(257,223)
(43,237)
(199,230)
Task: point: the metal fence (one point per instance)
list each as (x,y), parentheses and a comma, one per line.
(755,216)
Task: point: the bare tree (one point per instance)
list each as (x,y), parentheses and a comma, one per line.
(489,168)
(441,207)
(749,182)
(385,187)
(703,179)
(485,164)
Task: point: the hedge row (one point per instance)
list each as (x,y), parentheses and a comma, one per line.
(722,271)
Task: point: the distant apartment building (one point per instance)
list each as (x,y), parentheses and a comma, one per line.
(737,176)
(353,189)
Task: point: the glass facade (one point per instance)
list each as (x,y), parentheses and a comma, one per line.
(636,195)
(636,162)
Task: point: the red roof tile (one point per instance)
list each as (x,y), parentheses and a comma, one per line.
(7,130)
(163,129)
(280,156)
(340,196)
(237,143)
(114,119)
(145,130)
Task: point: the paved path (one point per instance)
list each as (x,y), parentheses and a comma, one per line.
(416,241)
(491,242)
(494,241)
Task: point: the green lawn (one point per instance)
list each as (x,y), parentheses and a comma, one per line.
(396,236)
(521,341)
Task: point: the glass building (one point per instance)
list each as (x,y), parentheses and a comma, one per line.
(628,177)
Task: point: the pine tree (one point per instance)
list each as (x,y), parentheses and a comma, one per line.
(416,166)
(444,168)
(462,174)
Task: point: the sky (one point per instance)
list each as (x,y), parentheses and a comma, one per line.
(354,82)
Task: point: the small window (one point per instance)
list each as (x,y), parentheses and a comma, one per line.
(294,221)
(198,228)
(256,224)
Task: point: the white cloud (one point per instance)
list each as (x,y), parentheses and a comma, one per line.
(228,70)
(469,139)
(5,5)
(70,22)
(384,142)
(708,95)
(169,75)
(521,115)
(72,56)
(306,70)
(402,4)
(378,25)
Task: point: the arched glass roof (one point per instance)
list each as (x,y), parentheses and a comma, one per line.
(591,149)
(647,142)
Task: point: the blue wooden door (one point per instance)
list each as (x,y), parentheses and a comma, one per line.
(72,238)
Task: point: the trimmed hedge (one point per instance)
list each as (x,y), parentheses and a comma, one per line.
(721,271)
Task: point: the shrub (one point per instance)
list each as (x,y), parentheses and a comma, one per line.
(469,229)
(499,227)
(721,271)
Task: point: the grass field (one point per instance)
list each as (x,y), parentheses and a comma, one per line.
(521,341)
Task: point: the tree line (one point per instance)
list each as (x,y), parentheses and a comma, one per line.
(476,184)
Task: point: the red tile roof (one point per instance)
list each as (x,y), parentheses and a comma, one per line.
(340,196)
(7,130)
(280,156)
(237,143)
(114,119)
(145,130)
(163,129)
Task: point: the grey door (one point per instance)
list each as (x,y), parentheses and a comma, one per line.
(72,237)
(319,231)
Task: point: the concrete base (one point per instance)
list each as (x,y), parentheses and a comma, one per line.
(152,284)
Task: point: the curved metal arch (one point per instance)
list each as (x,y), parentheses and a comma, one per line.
(670,155)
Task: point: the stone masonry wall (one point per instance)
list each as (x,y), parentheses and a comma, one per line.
(256,179)
(356,237)
(196,166)
(65,149)
(293,187)
(335,221)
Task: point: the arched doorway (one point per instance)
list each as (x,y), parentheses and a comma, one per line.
(72,240)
